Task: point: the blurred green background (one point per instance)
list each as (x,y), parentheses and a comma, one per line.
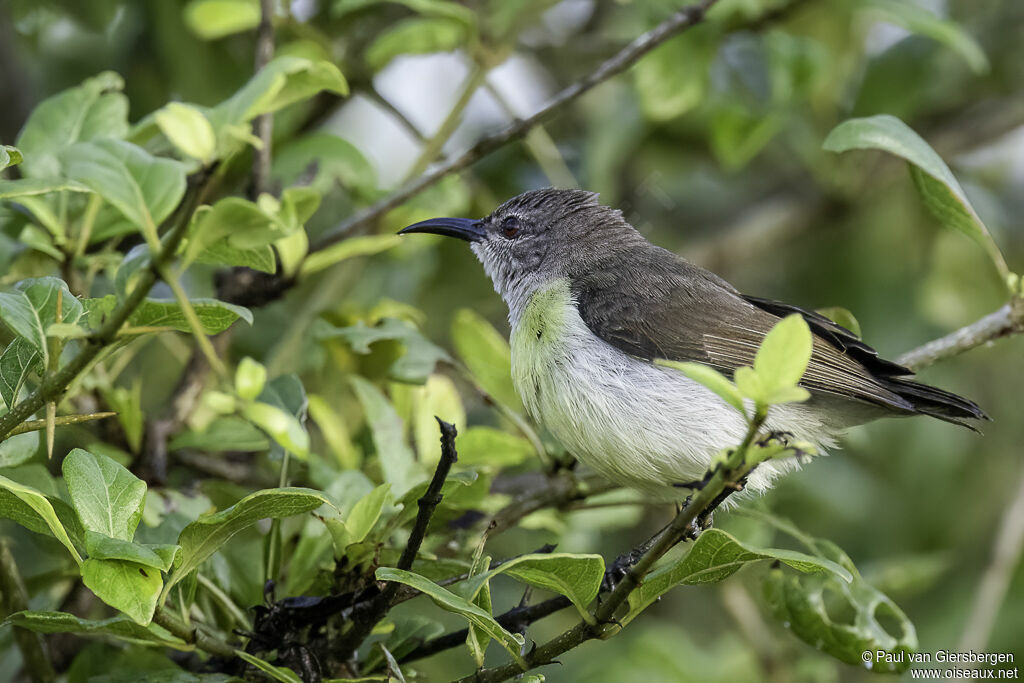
(712,147)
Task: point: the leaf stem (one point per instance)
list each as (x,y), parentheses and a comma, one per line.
(192,634)
(205,345)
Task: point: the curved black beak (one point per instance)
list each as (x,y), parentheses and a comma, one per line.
(461,228)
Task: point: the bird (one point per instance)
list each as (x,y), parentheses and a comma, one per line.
(592,305)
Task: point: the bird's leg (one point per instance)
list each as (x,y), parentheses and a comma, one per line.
(622,564)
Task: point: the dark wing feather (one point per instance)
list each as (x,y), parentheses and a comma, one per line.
(678,311)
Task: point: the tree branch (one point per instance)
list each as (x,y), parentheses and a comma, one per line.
(626,57)
(53,385)
(363,620)
(1007,321)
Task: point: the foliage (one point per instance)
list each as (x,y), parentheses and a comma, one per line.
(272,495)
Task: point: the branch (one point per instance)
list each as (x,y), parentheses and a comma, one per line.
(364,620)
(680,21)
(1007,321)
(191,634)
(263,126)
(53,385)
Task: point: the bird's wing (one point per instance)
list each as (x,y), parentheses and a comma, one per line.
(678,311)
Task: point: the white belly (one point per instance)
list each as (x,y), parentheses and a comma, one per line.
(639,424)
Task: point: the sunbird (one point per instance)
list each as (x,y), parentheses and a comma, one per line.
(592,305)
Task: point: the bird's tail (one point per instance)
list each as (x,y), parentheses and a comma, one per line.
(944,405)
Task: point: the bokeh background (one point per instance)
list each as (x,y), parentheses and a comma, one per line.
(712,147)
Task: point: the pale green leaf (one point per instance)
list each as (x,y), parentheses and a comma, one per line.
(710,378)
(277,673)
(17,362)
(486,354)
(921,21)
(489,447)
(784,354)
(143,188)
(127,586)
(364,245)
(205,536)
(939,190)
(95,109)
(102,547)
(420,355)
(450,602)
(250,378)
(809,604)
(118,627)
(107,497)
(717,555)
(842,317)
(280,426)
(213,19)
(397,462)
(420,35)
(188,129)
(666,90)
(283,81)
(41,506)
(10,156)
(29,187)
(222,254)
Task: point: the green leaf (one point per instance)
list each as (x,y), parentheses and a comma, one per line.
(29,187)
(364,245)
(127,403)
(143,188)
(783,356)
(205,536)
(710,378)
(420,35)
(283,81)
(280,426)
(577,577)
(188,129)
(666,90)
(450,602)
(107,497)
(919,20)
(397,462)
(250,378)
(119,627)
(17,362)
(939,190)
(32,307)
(842,618)
(489,447)
(41,506)
(486,354)
(94,109)
(103,547)
(278,673)
(215,316)
(332,159)
(223,434)
(213,19)
(360,520)
(10,156)
(414,366)
(19,449)
(842,317)
(715,556)
(127,586)
(222,254)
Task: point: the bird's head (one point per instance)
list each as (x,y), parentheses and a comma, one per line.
(538,236)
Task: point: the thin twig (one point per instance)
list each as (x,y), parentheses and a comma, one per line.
(36,425)
(365,619)
(626,57)
(53,385)
(263,126)
(1007,321)
(192,634)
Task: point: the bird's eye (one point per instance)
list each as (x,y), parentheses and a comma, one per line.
(510,227)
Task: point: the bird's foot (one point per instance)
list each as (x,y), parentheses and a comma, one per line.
(779,437)
(697,484)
